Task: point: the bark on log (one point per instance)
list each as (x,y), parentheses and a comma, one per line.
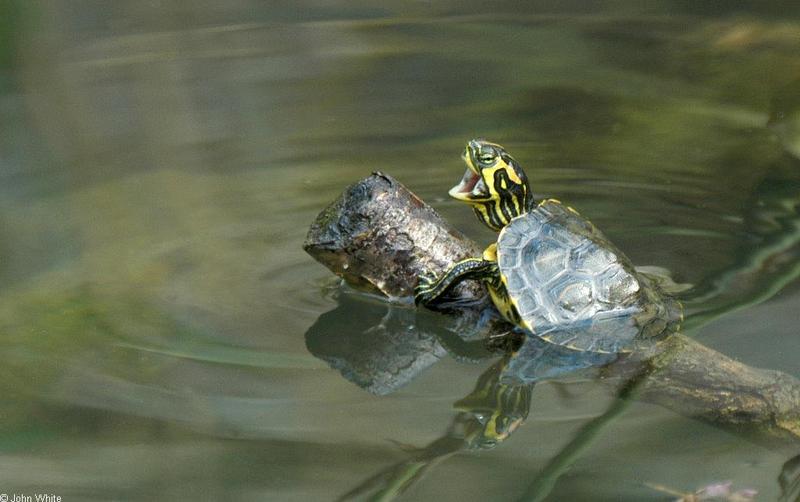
(380,237)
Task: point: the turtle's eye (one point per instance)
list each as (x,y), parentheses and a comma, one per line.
(486,156)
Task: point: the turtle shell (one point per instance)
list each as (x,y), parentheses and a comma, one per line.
(572,287)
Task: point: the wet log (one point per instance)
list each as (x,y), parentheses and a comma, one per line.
(380,237)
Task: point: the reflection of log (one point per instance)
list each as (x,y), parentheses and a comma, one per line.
(378,352)
(379,236)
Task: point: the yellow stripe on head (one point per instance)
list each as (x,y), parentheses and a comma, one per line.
(494,184)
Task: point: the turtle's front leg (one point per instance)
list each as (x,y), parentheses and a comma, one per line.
(430,288)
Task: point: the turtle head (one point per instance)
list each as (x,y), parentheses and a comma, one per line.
(494,184)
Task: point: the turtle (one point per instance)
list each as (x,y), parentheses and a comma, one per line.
(551,273)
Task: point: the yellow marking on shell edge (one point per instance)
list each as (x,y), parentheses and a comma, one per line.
(527,325)
(569,208)
(490,253)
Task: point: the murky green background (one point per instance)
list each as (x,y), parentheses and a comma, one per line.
(160,163)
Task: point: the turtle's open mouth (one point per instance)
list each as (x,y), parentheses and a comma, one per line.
(471,186)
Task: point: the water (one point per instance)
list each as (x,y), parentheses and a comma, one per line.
(160,164)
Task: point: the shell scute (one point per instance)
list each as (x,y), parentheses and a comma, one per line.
(616,286)
(547,256)
(570,285)
(573,296)
(591,258)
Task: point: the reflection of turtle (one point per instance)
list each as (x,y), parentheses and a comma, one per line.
(494,409)
(551,272)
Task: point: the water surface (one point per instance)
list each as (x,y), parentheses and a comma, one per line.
(160,164)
